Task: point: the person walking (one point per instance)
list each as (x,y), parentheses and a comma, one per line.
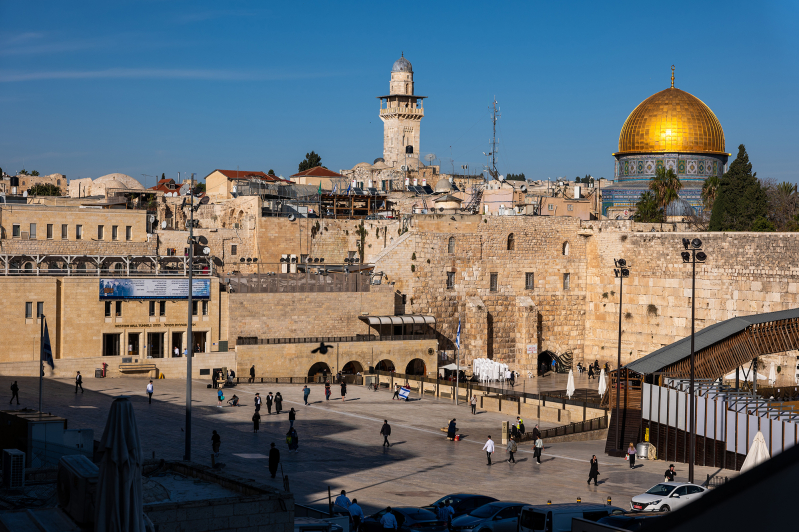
(150,392)
(78,383)
(356,514)
(269,401)
(445,513)
(473,403)
(257,402)
(343,390)
(590,372)
(220,395)
(293,440)
(512,448)
(489,449)
(342,500)
(388,520)
(536,433)
(539,446)
(385,431)
(669,475)
(274,459)
(14,393)
(216,441)
(631,455)
(396,393)
(252,373)
(451,430)
(594,472)
(327,391)
(278,403)
(305,393)
(256,421)
(292,417)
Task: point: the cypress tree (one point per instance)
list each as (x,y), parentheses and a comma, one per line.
(740,199)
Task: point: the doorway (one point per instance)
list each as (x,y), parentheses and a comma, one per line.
(177,341)
(133,344)
(111,344)
(155,345)
(545,362)
(199,340)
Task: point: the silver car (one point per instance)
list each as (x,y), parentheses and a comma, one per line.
(666,496)
(491,517)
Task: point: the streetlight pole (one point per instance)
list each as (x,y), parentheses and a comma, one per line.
(621,271)
(189,339)
(695,254)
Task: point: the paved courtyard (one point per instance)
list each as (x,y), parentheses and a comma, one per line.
(340,445)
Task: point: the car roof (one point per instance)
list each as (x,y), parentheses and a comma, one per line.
(675,484)
(573,505)
(465,495)
(505,503)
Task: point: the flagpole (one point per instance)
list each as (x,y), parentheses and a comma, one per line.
(41,362)
(458,362)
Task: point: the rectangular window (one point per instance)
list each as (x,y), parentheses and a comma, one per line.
(100,232)
(49,231)
(108,309)
(493,282)
(529,281)
(194,308)
(64,231)
(29,309)
(15,231)
(162,308)
(551,206)
(118,308)
(566,280)
(205,308)
(114,232)
(78,232)
(33,231)
(39,309)
(569,207)
(152,308)
(450,280)
(128,232)
(233,249)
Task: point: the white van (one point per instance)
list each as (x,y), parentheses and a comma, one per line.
(558,517)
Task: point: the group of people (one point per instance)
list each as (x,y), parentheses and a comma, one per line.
(593,369)
(356,513)
(343,386)
(513,445)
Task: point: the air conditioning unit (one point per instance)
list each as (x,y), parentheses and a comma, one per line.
(13,469)
(76,487)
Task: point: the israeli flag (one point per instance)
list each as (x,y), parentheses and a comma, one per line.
(348,189)
(335,187)
(404,393)
(47,350)
(458,336)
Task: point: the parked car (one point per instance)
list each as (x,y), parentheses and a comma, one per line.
(491,517)
(558,517)
(409,519)
(666,496)
(462,503)
(632,521)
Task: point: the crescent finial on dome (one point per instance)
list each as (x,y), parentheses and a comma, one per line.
(672,76)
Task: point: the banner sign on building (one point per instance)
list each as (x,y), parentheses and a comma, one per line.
(162,288)
(532,349)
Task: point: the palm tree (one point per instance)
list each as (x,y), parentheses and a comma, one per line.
(666,186)
(709,191)
(646,210)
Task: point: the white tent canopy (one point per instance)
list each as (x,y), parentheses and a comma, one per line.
(453,367)
(743,376)
(758,453)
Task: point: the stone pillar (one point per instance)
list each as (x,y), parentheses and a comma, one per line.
(474,330)
(526,335)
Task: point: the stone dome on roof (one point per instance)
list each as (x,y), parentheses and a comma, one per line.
(380,165)
(443,185)
(362,165)
(679,207)
(402,65)
(118,181)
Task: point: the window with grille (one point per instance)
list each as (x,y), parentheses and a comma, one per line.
(566,280)
(29,309)
(529,281)
(493,282)
(451,245)
(450,280)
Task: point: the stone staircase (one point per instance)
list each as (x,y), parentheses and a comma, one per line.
(391,247)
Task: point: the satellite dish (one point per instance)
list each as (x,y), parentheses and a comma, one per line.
(501,177)
(206,251)
(430,157)
(292,217)
(152,219)
(202,240)
(524,188)
(163,224)
(204,200)
(184,189)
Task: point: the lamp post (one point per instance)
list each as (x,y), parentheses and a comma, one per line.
(692,255)
(621,271)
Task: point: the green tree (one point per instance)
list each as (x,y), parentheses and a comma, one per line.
(312,160)
(35,172)
(647,209)
(740,199)
(709,191)
(270,172)
(782,202)
(577,179)
(666,186)
(763,225)
(44,189)
(163,176)
(23,172)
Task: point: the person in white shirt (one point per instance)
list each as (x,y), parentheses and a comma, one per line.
(388,520)
(150,392)
(342,500)
(357,515)
(489,449)
(177,352)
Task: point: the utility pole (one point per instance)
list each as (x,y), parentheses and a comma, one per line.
(621,271)
(189,339)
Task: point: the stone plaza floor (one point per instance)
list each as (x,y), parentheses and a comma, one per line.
(340,445)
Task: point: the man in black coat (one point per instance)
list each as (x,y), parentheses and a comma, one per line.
(274,460)
(78,383)
(252,373)
(257,402)
(269,400)
(536,433)
(594,472)
(385,431)
(14,393)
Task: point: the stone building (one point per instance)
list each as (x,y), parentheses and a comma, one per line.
(220,184)
(82,188)
(401,116)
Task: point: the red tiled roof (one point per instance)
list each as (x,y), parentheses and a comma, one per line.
(317,171)
(247,174)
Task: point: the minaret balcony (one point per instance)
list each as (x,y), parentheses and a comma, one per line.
(402,111)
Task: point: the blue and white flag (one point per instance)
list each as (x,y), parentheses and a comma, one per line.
(404,392)
(335,187)
(348,189)
(458,336)
(47,350)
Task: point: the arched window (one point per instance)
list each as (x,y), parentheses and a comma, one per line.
(511,242)
(29,267)
(451,245)
(565,248)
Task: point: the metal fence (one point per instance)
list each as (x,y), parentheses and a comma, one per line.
(274,282)
(251,340)
(572,428)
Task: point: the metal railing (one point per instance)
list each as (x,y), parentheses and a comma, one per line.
(248,340)
(715,482)
(315,278)
(572,428)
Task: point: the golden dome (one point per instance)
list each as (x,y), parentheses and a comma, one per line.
(671,121)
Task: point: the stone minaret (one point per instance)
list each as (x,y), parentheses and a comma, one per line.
(401,116)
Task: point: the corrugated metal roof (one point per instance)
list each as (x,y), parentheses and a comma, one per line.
(407,319)
(681,349)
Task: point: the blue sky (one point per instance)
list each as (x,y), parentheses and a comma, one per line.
(90,88)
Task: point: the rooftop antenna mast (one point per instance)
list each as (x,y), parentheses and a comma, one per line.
(495,115)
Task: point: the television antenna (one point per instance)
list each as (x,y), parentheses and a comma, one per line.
(430,157)
(495,115)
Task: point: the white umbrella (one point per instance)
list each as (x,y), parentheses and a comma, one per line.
(603,387)
(758,453)
(119,501)
(570,384)
(743,376)
(772,374)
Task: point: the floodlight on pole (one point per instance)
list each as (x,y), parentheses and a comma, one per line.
(621,271)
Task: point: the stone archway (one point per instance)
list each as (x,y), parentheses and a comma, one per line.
(320,368)
(385,365)
(545,362)
(416,367)
(352,367)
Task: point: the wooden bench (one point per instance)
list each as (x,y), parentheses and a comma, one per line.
(136,368)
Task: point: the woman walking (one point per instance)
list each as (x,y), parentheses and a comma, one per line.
(343,390)
(590,372)
(594,472)
(327,391)
(292,417)
(278,402)
(631,455)
(256,421)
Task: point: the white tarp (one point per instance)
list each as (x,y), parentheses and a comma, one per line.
(758,453)
(570,384)
(743,376)
(772,374)
(603,386)
(453,367)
